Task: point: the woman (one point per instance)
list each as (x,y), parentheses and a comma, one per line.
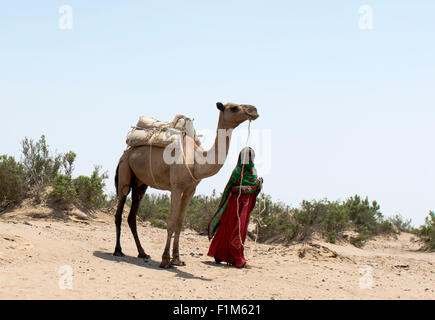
(229,225)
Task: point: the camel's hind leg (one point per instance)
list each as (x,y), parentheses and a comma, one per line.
(118,220)
(123,183)
(137,194)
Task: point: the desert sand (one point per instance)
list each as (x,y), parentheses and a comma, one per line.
(35,247)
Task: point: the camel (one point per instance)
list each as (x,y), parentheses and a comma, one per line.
(144,166)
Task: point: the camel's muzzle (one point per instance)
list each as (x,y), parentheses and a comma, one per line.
(251,112)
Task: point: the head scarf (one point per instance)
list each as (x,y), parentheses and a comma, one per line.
(246,173)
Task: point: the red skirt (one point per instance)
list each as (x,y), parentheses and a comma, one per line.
(226,245)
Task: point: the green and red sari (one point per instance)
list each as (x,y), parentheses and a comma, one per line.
(228,227)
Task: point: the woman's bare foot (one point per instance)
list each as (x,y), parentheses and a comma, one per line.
(247,266)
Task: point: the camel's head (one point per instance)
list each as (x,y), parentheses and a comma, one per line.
(234,114)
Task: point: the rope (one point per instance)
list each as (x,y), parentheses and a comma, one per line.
(185,164)
(158,130)
(258,222)
(240,186)
(240,192)
(187,167)
(151,166)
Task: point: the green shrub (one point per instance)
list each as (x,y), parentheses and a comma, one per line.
(331,236)
(366,217)
(335,221)
(157,223)
(90,190)
(325,217)
(277,227)
(155,208)
(41,167)
(63,189)
(200,211)
(385,227)
(401,224)
(67,162)
(84,191)
(13,187)
(279,222)
(274,222)
(427,231)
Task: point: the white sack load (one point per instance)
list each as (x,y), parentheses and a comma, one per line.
(152,136)
(149,131)
(148,122)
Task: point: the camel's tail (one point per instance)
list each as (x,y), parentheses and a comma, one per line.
(117,179)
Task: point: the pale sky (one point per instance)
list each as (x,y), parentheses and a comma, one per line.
(349,110)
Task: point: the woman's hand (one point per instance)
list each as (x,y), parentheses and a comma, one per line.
(242,189)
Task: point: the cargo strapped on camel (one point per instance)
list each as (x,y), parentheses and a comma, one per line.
(149,131)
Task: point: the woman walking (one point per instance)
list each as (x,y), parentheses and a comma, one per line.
(229,225)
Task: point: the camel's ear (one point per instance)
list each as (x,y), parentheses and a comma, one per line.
(220,106)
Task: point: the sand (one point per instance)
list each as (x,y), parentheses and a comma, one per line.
(45,258)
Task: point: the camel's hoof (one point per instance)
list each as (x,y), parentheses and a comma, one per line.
(118,253)
(144,256)
(165,265)
(178,263)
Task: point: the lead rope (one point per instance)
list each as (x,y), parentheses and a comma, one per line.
(240,186)
(240,192)
(258,222)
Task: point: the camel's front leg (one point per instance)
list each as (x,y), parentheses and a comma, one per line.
(175,209)
(185,200)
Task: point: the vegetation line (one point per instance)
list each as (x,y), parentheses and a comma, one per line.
(355,218)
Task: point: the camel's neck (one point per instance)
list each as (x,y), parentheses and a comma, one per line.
(215,157)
